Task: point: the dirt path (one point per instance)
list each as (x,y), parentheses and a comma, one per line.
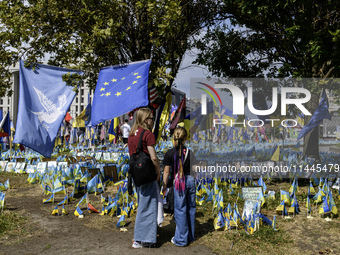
(93,234)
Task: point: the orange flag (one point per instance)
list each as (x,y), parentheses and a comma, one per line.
(91,208)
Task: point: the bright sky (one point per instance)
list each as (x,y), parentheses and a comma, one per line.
(182,80)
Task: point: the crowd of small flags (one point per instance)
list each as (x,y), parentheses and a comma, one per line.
(228,216)
(57,180)
(322,199)
(258,153)
(122,205)
(53,183)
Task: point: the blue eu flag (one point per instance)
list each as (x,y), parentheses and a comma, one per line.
(44,100)
(120,89)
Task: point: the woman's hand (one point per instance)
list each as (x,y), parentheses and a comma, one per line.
(164,189)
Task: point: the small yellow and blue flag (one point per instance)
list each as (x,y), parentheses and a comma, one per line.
(121,222)
(49,200)
(55,211)
(78,212)
(64,211)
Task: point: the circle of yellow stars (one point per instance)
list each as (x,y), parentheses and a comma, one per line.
(118,93)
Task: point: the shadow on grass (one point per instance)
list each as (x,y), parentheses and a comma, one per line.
(167,232)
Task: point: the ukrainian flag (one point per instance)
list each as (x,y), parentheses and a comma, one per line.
(113,128)
(319,196)
(64,201)
(72,196)
(294,207)
(111,208)
(227,211)
(308,205)
(121,222)
(2,199)
(6,184)
(201,201)
(285,196)
(102,212)
(55,210)
(47,190)
(64,211)
(261,183)
(251,225)
(324,208)
(83,200)
(78,212)
(210,197)
(261,198)
(281,209)
(332,204)
(219,221)
(49,200)
(311,188)
(125,211)
(276,154)
(274,223)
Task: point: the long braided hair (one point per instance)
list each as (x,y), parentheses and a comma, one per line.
(180,135)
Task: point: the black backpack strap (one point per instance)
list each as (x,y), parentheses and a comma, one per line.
(140,141)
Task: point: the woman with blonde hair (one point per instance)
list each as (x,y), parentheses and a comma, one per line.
(180,160)
(145,233)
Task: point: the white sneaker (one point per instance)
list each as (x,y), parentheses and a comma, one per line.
(172,240)
(137,245)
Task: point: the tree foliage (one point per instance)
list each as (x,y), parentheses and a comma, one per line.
(278,38)
(290,38)
(88,35)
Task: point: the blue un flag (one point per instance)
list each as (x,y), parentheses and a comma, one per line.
(44,100)
(120,89)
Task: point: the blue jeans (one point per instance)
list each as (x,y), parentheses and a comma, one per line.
(184,213)
(146,218)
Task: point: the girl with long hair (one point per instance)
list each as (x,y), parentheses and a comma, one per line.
(145,233)
(180,160)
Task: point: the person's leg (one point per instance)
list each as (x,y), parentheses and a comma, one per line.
(180,214)
(146,218)
(191,206)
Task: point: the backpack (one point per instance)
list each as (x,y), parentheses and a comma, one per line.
(142,169)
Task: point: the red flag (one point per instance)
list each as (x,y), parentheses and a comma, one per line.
(21,147)
(102,133)
(68,117)
(5,126)
(91,208)
(180,114)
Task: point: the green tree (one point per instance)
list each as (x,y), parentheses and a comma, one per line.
(88,34)
(290,38)
(293,38)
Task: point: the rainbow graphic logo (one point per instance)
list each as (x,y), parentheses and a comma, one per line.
(204,97)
